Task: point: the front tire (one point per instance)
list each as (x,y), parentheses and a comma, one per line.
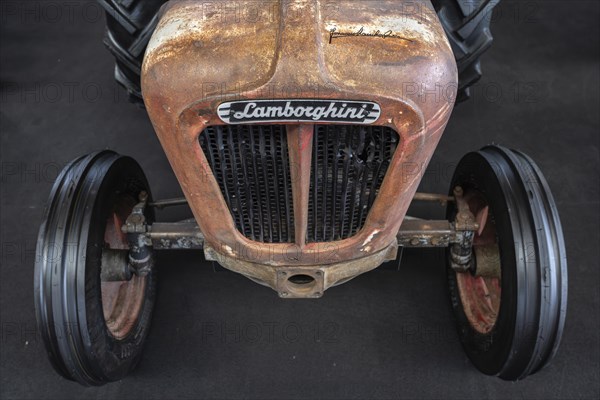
(93,330)
(511,307)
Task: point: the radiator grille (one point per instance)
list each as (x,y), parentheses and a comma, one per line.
(251,166)
(349,164)
(250,163)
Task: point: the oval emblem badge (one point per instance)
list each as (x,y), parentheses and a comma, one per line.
(294,110)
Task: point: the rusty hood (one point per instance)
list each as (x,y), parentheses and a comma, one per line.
(207,52)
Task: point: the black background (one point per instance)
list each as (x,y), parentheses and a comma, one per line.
(386,334)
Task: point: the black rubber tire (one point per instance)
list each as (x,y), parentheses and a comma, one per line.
(129,26)
(530,321)
(67,282)
(467,25)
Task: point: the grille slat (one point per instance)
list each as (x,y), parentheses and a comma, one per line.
(324,155)
(312,209)
(248,194)
(347,153)
(287,193)
(278,217)
(335,184)
(238,194)
(251,166)
(257,189)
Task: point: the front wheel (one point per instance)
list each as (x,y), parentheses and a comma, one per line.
(93,328)
(511,305)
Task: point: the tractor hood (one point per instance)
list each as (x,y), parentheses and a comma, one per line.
(210,52)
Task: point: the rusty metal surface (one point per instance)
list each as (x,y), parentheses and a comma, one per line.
(300,142)
(324,275)
(480,289)
(121,300)
(115,265)
(424,233)
(184,235)
(201,56)
(461,253)
(487,261)
(443,199)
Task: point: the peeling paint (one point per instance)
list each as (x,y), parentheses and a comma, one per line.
(370,237)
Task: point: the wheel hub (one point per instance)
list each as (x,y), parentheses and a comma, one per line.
(122,300)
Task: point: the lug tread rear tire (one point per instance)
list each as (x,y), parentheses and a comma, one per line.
(130,24)
(467,25)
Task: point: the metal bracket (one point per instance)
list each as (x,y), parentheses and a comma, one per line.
(299,283)
(141,258)
(136,221)
(184,235)
(461,253)
(426,233)
(458,234)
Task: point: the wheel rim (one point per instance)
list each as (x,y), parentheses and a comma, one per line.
(480,290)
(121,301)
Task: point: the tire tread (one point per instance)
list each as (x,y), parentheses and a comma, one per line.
(468,31)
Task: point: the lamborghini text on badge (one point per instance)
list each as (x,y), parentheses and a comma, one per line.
(254,111)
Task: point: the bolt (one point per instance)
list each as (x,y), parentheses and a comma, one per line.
(458,191)
(143,195)
(284,294)
(318,273)
(415,241)
(282,273)
(435,241)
